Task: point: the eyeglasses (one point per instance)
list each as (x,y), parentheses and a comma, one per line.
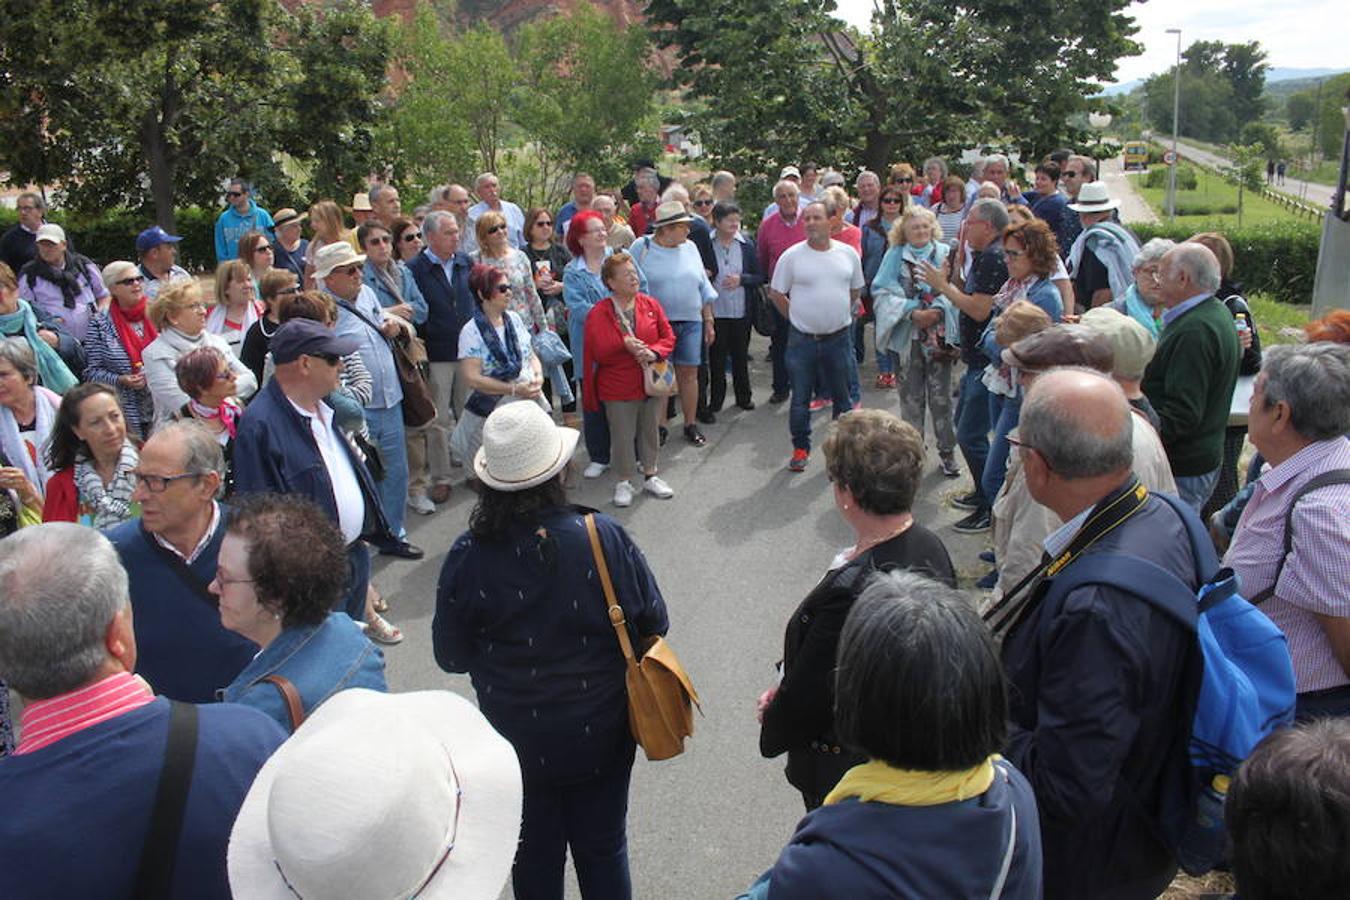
(134,279)
(412,236)
(380,239)
(543,223)
(158,484)
(295,289)
(890,199)
(703,203)
(265,248)
(904,181)
(331,358)
(1069,174)
(27,209)
(222,579)
(195,307)
(496,228)
(347,270)
(226,375)
(234,193)
(502,289)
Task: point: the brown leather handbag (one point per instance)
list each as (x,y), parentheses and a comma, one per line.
(660,696)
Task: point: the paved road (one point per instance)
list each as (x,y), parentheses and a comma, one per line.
(1133,207)
(1311,193)
(734,552)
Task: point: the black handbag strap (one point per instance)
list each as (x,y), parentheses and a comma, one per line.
(182,570)
(1326,479)
(154,874)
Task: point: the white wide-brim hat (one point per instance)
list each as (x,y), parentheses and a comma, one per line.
(1094,197)
(522,448)
(381,795)
(334,256)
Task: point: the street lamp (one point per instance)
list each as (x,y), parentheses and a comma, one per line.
(1176,119)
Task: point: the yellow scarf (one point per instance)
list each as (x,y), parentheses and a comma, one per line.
(878,782)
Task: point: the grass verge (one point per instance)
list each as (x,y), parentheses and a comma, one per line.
(1214,193)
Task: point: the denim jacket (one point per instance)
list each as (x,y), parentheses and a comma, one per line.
(319,660)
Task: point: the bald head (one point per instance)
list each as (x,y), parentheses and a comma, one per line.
(1078,420)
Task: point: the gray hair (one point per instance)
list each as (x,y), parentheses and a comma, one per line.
(1199,263)
(977,169)
(648,177)
(203,453)
(17,352)
(1089,166)
(987,209)
(997,158)
(484,179)
(377,191)
(54,616)
(677,192)
(721,178)
(436,221)
(1152,252)
(864,175)
(1070,448)
(1314,379)
(34,198)
(439,194)
(936,161)
(835,200)
(786,183)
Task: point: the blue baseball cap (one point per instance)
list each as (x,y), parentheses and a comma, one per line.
(304,337)
(152,237)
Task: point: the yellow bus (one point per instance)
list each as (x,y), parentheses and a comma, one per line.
(1136,155)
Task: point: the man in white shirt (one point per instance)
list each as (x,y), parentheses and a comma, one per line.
(488,189)
(815,286)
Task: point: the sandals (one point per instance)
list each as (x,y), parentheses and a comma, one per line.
(693,435)
(382,631)
(377,601)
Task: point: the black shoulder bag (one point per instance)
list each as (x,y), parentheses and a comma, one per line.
(159,854)
(418,407)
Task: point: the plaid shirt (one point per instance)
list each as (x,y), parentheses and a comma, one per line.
(1316,575)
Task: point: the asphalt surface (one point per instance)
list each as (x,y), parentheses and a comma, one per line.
(740,544)
(1311,193)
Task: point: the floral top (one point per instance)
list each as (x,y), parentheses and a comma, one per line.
(524,300)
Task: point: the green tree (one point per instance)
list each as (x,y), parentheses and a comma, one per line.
(1265,138)
(1330,119)
(484,79)
(1244,67)
(1247,171)
(1300,109)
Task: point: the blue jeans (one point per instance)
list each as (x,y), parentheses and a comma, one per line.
(386,432)
(972,426)
(811,361)
(358,579)
(778,342)
(595,430)
(591,817)
(1195,489)
(1003,412)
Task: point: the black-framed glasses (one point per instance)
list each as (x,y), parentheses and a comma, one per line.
(543,223)
(158,484)
(890,200)
(904,181)
(222,579)
(234,194)
(331,358)
(703,203)
(380,239)
(134,279)
(412,236)
(502,288)
(265,248)
(348,270)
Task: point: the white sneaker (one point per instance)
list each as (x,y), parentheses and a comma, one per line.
(657,488)
(421,503)
(623,494)
(595,470)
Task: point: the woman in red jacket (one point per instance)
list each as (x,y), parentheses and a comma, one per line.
(92,461)
(623,332)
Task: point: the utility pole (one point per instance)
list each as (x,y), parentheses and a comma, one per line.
(1176,121)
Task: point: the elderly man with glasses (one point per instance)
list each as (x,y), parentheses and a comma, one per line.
(240,216)
(170,557)
(18,245)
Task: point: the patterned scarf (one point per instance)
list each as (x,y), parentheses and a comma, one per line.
(74,270)
(109,504)
(227,413)
(132,342)
(52,369)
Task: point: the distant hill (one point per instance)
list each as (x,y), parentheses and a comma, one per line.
(1280,82)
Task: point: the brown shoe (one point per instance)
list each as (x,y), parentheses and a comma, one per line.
(439,493)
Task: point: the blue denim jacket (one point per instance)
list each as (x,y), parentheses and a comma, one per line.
(319,660)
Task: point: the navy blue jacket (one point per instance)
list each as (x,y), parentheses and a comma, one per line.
(78,809)
(295,262)
(526,618)
(274,451)
(182,650)
(880,851)
(450,304)
(875,243)
(1098,718)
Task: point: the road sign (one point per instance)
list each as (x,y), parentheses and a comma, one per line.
(1170,158)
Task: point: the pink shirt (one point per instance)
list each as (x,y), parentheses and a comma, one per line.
(44,722)
(1317,572)
(774,237)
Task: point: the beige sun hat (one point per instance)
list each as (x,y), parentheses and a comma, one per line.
(361,203)
(335,256)
(672,212)
(522,448)
(1133,345)
(382,795)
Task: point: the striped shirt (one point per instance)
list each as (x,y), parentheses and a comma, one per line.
(45,722)
(1317,572)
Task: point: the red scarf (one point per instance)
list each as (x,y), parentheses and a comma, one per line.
(132,342)
(227,412)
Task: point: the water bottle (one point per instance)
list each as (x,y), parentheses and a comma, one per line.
(1243,326)
(1203,841)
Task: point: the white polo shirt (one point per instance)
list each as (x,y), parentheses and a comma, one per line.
(351,505)
(818,285)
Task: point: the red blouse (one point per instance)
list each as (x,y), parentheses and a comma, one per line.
(610,371)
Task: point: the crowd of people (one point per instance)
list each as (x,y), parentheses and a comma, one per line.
(220,457)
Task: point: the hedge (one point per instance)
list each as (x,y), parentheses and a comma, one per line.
(1279,259)
(113,235)
(1187,179)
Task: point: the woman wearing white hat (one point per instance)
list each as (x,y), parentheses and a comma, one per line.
(520,608)
(381,795)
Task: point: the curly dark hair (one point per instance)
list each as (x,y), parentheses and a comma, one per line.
(1039,241)
(64,446)
(296,556)
(878,457)
(497,511)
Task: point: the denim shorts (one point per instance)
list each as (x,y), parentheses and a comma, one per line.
(688,343)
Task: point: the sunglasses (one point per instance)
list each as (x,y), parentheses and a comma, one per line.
(265,248)
(134,279)
(904,181)
(331,358)
(496,228)
(234,193)
(502,289)
(703,203)
(890,199)
(543,223)
(412,236)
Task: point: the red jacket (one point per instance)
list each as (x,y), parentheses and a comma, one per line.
(62,500)
(610,371)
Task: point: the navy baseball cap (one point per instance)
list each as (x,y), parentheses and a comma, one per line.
(305,337)
(152,237)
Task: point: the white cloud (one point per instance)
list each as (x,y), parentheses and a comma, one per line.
(1299,34)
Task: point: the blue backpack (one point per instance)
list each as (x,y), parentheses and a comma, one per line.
(1242,689)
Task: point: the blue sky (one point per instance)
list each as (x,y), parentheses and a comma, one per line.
(1301,34)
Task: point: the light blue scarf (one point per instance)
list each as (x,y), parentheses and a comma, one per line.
(53,373)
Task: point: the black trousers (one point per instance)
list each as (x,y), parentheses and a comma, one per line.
(732,338)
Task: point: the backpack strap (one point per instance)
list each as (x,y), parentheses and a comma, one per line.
(1138,577)
(159,853)
(1326,479)
(1006,866)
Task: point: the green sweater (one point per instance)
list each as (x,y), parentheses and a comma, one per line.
(1190,384)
